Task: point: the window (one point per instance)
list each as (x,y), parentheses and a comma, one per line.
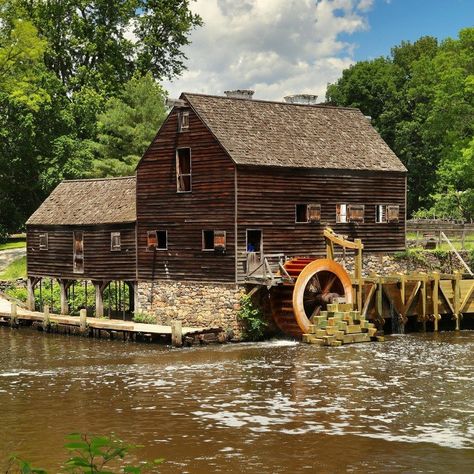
(393,213)
(115,242)
(387,213)
(301,213)
(254,240)
(183,121)
(43,241)
(341,213)
(356,212)
(183,170)
(307,212)
(157,239)
(78,252)
(214,240)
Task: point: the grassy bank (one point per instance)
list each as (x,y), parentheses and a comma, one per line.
(13,244)
(15,270)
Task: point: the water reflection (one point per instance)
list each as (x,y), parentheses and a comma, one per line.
(278,406)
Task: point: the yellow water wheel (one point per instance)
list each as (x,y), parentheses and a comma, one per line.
(316,284)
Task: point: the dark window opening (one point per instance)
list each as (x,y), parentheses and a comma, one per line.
(78,257)
(115,242)
(183,121)
(43,241)
(183,170)
(208,240)
(162,239)
(214,240)
(254,240)
(301,213)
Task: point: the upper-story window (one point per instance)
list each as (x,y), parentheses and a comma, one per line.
(341,213)
(183,121)
(387,213)
(307,213)
(43,241)
(183,170)
(115,242)
(356,212)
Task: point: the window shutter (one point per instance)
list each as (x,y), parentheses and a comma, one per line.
(356,212)
(393,213)
(314,212)
(219,240)
(152,239)
(115,241)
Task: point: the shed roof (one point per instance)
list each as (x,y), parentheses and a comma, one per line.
(88,202)
(264,133)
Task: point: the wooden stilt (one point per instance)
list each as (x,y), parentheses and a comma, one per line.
(435,298)
(457,299)
(176,333)
(31,283)
(99,297)
(14,313)
(83,320)
(46,319)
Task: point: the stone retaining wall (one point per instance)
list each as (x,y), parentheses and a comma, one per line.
(195,304)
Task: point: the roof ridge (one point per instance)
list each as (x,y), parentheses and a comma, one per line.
(314,106)
(82,180)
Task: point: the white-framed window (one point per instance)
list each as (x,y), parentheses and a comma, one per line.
(214,240)
(43,241)
(387,213)
(183,170)
(341,213)
(115,242)
(183,121)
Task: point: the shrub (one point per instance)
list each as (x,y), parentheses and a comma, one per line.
(253,319)
(144,318)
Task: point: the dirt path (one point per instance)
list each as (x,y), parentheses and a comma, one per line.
(8,256)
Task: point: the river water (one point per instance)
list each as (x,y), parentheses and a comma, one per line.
(405,405)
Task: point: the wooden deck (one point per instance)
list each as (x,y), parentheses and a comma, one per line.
(102,324)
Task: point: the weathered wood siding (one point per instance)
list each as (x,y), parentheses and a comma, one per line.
(210,206)
(267,197)
(100,262)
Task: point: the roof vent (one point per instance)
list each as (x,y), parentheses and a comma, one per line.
(240,94)
(305,99)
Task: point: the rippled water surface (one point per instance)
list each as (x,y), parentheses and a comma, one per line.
(406,405)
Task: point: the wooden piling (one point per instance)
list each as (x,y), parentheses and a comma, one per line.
(457,299)
(46,318)
(83,320)
(14,314)
(435,298)
(176,333)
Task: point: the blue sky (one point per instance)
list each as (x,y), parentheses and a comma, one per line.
(281,47)
(397,20)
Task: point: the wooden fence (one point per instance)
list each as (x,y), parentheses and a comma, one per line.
(429,232)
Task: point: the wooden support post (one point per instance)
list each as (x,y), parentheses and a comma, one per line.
(46,319)
(358,273)
(176,333)
(14,315)
(379,300)
(435,299)
(423,302)
(457,299)
(31,283)
(63,287)
(99,297)
(83,320)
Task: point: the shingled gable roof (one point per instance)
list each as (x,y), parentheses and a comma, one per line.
(88,202)
(256,132)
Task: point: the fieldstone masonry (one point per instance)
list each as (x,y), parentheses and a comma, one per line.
(195,304)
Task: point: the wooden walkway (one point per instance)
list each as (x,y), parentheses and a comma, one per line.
(129,327)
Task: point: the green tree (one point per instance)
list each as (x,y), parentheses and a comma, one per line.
(128,125)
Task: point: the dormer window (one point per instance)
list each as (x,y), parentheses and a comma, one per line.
(183,121)
(183,170)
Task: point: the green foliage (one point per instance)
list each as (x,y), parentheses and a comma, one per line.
(19,293)
(413,255)
(14,271)
(128,125)
(144,318)
(92,455)
(3,237)
(421,100)
(253,319)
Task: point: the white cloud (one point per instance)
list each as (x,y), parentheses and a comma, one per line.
(277,47)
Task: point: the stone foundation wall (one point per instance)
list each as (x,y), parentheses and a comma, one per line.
(195,304)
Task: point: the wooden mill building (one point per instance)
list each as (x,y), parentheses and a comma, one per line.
(223,179)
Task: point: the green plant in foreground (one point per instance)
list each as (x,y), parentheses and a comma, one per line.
(253,319)
(91,455)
